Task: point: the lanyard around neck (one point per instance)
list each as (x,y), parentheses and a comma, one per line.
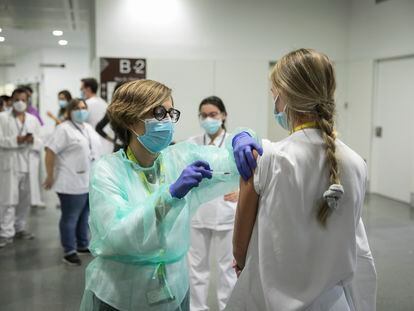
(221,142)
(20,129)
(130,155)
(84,134)
(306,125)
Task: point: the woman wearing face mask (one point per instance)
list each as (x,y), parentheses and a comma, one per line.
(64,98)
(142,198)
(213,222)
(70,152)
(306,249)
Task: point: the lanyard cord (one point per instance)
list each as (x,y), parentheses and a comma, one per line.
(20,130)
(159,270)
(84,135)
(306,125)
(130,155)
(221,142)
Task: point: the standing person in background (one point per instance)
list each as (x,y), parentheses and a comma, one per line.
(2,104)
(30,108)
(97,108)
(213,222)
(117,144)
(7,102)
(69,154)
(20,148)
(64,98)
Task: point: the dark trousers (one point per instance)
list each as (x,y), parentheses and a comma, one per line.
(73,225)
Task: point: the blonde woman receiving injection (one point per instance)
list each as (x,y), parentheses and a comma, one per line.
(299,241)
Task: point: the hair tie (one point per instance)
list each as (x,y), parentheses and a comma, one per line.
(333,195)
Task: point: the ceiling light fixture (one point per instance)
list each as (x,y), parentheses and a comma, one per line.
(2,39)
(63,42)
(57,33)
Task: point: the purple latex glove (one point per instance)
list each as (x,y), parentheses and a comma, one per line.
(190,177)
(243,146)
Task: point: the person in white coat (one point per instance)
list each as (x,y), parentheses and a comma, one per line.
(97,110)
(20,147)
(212,225)
(299,241)
(70,152)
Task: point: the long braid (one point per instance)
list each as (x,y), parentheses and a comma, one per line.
(326,124)
(305,81)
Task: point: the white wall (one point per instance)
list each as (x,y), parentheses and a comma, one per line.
(52,80)
(56,79)
(263,29)
(376,31)
(26,68)
(201,48)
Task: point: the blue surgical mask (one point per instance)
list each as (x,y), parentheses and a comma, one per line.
(79,116)
(158,134)
(281,117)
(63,103)
(211,126)
(82,94)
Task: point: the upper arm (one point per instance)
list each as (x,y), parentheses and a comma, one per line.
(245,219)
(101,124)
(58,141)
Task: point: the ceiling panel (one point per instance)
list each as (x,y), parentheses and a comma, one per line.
(29,23)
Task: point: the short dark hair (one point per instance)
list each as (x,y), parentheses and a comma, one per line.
(27,88)
(19,90)
(215,101)
(90,83)
(73,104)
(5,97)
(3,100)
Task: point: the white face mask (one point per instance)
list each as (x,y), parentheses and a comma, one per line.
(19,106)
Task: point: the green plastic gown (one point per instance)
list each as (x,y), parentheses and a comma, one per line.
(138,229)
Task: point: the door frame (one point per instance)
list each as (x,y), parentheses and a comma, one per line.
(374,112)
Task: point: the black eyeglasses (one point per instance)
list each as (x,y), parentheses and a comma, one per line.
(160,113)
(212,115)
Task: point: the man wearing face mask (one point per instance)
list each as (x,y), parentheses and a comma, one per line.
(97,109)
(30,108)
(212,225)
(20,148)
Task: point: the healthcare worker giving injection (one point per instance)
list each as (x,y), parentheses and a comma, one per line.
(212,225)
(299,240)
(142,198)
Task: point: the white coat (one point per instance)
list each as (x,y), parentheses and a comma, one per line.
(76,147)
(8,159)
(292,262)
(212,226)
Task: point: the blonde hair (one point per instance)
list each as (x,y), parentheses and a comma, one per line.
(131,101)
(305,81)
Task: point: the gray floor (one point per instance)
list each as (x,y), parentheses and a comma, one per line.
(32,276)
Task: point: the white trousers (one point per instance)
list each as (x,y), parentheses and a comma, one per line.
(202,240)
(13,217)
(332,300)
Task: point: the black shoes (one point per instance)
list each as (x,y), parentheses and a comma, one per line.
(72,260)
(84,251)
